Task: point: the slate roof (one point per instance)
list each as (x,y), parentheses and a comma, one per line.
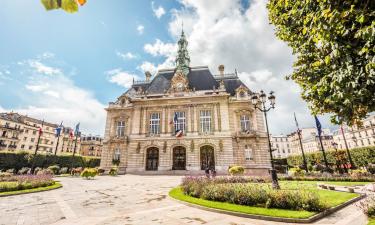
(200,78)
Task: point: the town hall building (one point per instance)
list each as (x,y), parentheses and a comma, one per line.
(183,121)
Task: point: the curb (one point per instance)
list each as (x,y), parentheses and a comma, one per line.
(276,219)
(7,195)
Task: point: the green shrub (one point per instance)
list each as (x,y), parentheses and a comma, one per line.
(18,160)
(64,170)
(236,170)
(44,172)
(358,173)
(89,173)
(23,171)
(55,169)
(296,172)
(368,206)
(360,156)
(113,171)
(253,194)
(101,171)
(371,168)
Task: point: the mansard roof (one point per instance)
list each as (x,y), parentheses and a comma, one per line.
(200,78)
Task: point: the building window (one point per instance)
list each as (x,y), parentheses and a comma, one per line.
(30,147)
(34,132)
(120,131)
(179,121)
(205,119)
(116,155)
(245,123)
(155,123)
(32,139)
(248,153)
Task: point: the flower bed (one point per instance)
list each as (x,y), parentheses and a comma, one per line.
(251,192)
(23,182)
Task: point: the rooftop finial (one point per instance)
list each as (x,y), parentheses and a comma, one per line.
(182,59)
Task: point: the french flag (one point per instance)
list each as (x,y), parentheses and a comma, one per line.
(178,133)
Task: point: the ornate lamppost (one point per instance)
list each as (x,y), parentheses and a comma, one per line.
(255,100)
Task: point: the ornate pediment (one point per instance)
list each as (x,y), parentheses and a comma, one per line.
(179,82)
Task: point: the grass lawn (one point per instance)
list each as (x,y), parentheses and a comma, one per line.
(54,186)
(332,198)
(371,221)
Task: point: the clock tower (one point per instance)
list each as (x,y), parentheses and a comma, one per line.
(180,82)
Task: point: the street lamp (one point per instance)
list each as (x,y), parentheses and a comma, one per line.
(255,100)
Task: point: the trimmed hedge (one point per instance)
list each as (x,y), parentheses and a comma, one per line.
(360,157)
(18,160)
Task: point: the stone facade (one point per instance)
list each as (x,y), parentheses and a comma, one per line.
(91,146)
(185,119)
(20,133)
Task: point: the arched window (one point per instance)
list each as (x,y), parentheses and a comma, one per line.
(245,123)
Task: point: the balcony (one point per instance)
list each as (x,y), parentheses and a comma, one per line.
(2,145)
(10,128)
(248,133)
(12,146)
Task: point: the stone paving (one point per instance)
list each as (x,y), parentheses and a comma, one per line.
(126,200)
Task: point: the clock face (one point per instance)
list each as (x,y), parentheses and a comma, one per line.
(180,85)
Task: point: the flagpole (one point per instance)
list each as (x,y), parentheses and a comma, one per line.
(58,132)
(40,134)
(37,147)
(352,166)
(324,153)
(300,142)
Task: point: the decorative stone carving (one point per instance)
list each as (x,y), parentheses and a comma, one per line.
(179,82)
(221,145)
(138,149)
(192,146)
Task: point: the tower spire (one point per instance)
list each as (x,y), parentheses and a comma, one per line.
(183,58)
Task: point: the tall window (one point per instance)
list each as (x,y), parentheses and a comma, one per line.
(248,153)
(205,118)
(117,154)
(155,123)
(245,123)
(179,124)
(120,131)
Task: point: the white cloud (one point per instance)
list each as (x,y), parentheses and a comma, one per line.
(120,77)
(56,98)
(159,48)
(140,29)
(223,32)
(126,56)
(41,68)
(158,11)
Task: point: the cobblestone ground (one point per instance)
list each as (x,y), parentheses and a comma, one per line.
(126,200)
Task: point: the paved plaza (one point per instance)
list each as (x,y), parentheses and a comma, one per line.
(126,200)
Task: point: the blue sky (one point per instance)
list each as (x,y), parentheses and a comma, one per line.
(61,66)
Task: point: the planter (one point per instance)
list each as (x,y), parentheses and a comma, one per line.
(351,190)
(331,188)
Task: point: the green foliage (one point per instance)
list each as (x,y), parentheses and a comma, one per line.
(89,173)
(334,44)
(70,6)
(360,156)
(113,171)
(368,206)
(236,170)
(18,160)
(55,169)
(115,162)
(253,194)
(296,172)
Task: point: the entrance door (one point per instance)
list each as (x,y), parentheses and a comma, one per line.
(152,158)
(179,158)
(207,157)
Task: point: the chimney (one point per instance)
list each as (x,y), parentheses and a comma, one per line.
(148,76)
(221,69)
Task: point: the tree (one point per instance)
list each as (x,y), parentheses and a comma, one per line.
(334,44)
(70,6)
